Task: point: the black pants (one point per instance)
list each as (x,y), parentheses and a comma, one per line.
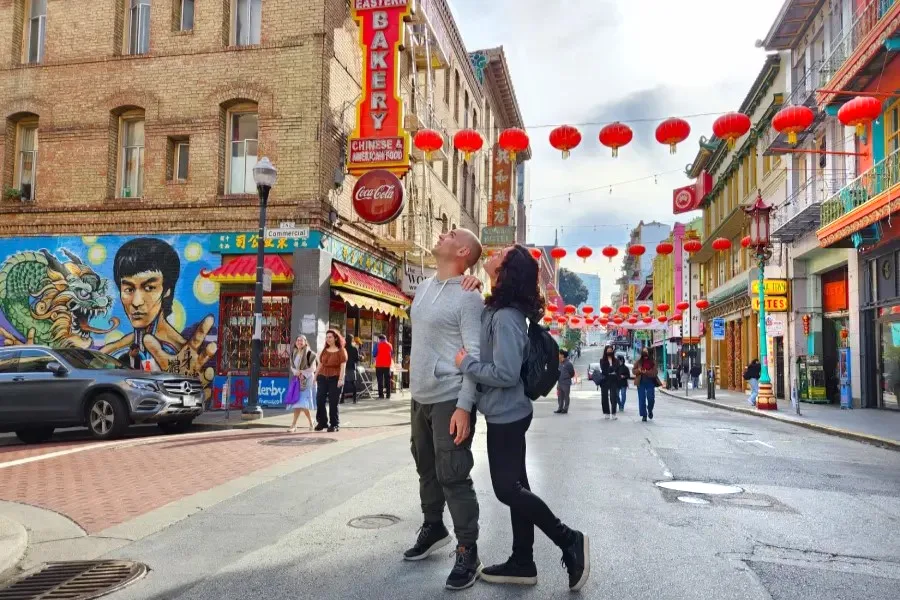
(609,397)
(328,394)
(506,456)
(383,374)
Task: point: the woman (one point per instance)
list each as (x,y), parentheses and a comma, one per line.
(610,386)
(645,374)
(515,296)
(301,391)
(685,375)
(752,374)
(330,381)
(624,375)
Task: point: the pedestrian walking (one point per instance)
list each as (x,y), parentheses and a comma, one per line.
(645,374)
(515,296)
(624,375)
(351,378)
(330,381)
(609,389)
(301,390)
(696,371)
(564,385)
(752,374)
(384,361)
(446,315)
(685,375)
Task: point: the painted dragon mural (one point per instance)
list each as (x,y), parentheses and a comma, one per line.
(52,302)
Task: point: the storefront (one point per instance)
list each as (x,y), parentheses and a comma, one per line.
(731,342)
(880,320)
(835,327)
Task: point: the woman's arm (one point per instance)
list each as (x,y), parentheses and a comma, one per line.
(508,352)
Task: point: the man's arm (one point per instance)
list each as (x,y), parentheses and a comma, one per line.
(506,368)
(470,310)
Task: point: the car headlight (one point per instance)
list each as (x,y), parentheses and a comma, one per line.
(143,384)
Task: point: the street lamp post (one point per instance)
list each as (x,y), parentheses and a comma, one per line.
(264,174)
(762,247)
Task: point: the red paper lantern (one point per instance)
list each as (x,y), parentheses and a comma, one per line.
(731,126)
(745,241)
(513,140)
(570,310)
(636,250)
(616,135)
(648,320)
(662,307)
(606,309)
(574,321)
(587,309)
(792,120)
(677,317)
(624,309)
(537,253)
(683,305)
(565,138)
(672,132)
(691,246)
(662,318)
(603,321)
(702,303)
(632,320)
(859,113)
(665,248)
(643,309)
(617,320)
(589,320)
(584,253)
(468,141)
(548,319)
(428,141)
(610,252)
(558,253)
(552,308)
(562,320)
(720,244)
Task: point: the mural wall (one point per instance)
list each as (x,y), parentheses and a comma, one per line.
(110,292)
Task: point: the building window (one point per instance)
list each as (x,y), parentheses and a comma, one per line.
(36,30)
(892,128)
(445,223)
(178,153)
(185,15)
(132,157)
(247,22)
(139,26)
(445,172)
(26,159)
(456,96)
(447,86)
(455,175)
(243,136)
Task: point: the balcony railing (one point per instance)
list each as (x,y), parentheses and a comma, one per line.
(880,178)
(800,213)
(852,36)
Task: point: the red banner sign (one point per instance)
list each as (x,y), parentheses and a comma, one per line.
(689,197)
(378,196)
(379,140)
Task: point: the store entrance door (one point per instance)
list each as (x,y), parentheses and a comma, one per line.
(779,367)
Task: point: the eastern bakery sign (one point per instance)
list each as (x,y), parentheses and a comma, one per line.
(379,140)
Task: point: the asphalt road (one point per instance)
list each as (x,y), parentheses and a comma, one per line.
(818,519)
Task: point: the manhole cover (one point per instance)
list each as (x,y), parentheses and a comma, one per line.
(373,521)
(77,580)
(692,500)
(700,487)
(298,441)
(756,502)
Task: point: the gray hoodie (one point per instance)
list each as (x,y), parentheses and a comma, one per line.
(445,318)
(504,338)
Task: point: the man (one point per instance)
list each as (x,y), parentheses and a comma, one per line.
(445,318)
(384,360)
(352,362)
(134,358)
(564,385)
(696,370)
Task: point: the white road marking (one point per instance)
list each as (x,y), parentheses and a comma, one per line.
(760,442)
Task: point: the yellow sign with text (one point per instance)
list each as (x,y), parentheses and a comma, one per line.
(773,303)
(773,287)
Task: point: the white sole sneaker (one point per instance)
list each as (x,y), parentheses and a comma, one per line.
(431,549)
(587,566)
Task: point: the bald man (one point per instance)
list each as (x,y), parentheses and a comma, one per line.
(445,318)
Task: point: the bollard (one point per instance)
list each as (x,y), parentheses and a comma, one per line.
(711,384)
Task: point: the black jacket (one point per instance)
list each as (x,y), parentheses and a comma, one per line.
(610,372)
(696,371)
(623,375)
(753,371)
(352,357)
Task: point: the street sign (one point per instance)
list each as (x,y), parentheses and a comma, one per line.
(288,231)
(774,326)
(718,329)
(773,287)
(498,236)
(773,303)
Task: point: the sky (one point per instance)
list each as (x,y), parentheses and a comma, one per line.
(597,61)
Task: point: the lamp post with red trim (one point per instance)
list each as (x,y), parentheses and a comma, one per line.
(762,247)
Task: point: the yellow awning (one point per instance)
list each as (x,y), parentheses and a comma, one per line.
(371,304)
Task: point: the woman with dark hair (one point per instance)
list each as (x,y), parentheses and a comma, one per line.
(330,381)
(610,385)
(515,297)
(645,374)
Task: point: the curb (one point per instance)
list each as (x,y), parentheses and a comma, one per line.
(13,543)
(827,429)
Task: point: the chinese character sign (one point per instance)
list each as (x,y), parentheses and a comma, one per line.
(501,189)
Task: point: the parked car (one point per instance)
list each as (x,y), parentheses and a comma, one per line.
(591,368)
(42,389)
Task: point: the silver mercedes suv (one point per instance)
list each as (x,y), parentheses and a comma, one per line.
(42,389)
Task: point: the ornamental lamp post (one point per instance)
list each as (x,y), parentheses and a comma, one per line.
(761,245)
(264,174)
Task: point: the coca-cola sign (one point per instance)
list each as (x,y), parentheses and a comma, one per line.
(378,196)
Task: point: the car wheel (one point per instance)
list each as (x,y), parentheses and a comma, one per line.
(35,435)
(174,427)
(107,417)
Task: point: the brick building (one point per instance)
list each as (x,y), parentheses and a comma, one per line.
(130,131)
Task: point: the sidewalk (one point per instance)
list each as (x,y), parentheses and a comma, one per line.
(879,427)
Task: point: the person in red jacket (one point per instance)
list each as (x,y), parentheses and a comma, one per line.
(384,360)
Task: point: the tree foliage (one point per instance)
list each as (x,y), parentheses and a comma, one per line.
(571,339)
(572,288)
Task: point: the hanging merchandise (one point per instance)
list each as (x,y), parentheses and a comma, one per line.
(514,141)
(428,141)
(745,241)
(692,246)
(584,253)
(859,113)
(610,252)
(536,253)
(683,305)
(662,307)
(721,244)
(616,135)
(702,303)
(565,138)
(558,253)
(665,248)
(731,126)
(636,250)
(672,132)
(468,141)
(792,120)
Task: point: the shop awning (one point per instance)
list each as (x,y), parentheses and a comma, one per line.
(372,304)
(352,280)
(243,270)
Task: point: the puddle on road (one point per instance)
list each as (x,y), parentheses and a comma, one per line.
(692,500)
(700,487)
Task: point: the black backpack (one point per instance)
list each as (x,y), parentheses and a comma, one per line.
(540,371)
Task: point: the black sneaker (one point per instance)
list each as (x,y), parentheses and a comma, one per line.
(577,560)
(650,414)
(320,427)
(557,412)
(643,418)
(465,571)
(520,572)
(431,537)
